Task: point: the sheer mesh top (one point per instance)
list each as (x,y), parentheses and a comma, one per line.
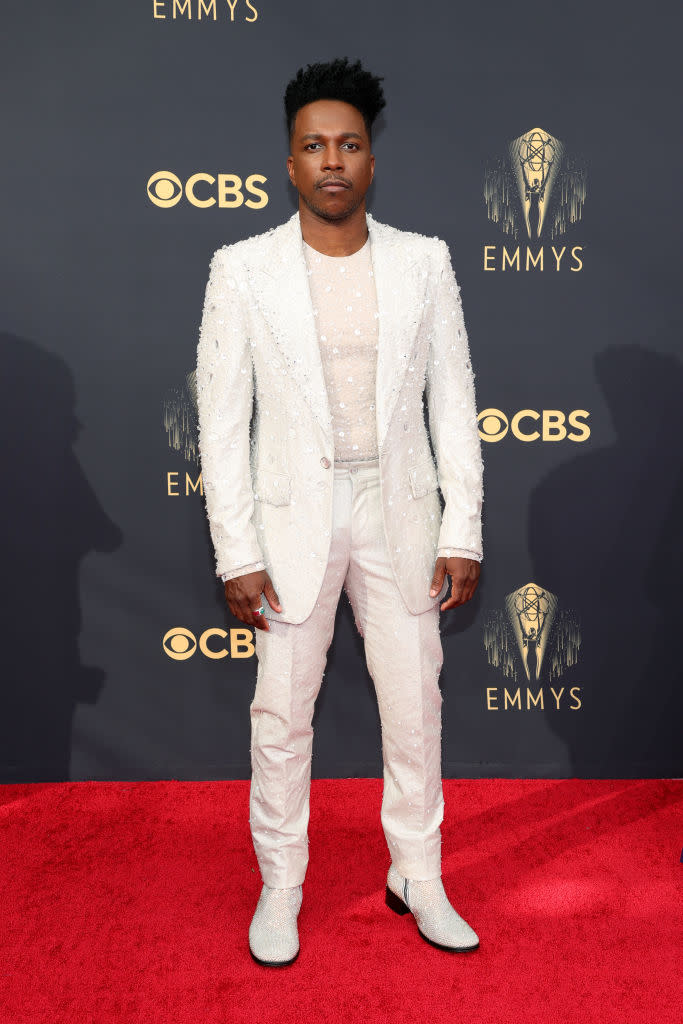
(345,307)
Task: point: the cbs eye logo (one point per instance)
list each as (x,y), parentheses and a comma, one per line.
(165,189)
(180,643)
(529,425)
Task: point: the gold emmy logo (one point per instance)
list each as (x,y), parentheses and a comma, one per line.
(529,633)
(529,425)
(165,189)
(536,188)
(531,611)
(534,191)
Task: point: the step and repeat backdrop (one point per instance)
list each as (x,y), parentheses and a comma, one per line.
(539,142)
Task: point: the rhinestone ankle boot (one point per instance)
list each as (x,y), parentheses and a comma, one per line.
(436,920)
(273,933)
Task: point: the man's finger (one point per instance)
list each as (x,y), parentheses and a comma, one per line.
(255,612)
(456,595)
(473,586)
(261,622)
(244,609)
(437,580)
(273,599)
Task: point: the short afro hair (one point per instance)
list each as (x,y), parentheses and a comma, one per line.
(336,80)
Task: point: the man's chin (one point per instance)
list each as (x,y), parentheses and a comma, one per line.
(331,212)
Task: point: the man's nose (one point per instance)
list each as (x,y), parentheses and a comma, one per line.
(333,159)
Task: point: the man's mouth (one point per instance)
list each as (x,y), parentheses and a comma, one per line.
(333,186)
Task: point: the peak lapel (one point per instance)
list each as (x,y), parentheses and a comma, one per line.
(279,280)
(400,290)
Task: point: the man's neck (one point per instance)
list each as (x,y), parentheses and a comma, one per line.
(334,238)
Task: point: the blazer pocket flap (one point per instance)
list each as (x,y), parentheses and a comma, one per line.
(423,478)
(271,487)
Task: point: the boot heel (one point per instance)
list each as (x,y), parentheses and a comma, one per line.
(395,903)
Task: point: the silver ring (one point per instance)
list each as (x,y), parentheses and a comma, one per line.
(259,611)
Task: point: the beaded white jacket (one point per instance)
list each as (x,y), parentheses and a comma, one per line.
(265,427)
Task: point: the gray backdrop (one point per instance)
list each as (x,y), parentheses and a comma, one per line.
(108,557)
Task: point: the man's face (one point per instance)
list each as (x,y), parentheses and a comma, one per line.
(330,144)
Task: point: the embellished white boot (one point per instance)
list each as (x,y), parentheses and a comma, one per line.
(436,920)
(273,933)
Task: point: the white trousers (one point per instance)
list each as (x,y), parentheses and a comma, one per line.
(404,657)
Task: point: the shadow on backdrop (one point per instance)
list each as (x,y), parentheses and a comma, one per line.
(50,519)
(605,536)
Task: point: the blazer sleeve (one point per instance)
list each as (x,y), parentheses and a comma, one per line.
(452,410)
(225,389)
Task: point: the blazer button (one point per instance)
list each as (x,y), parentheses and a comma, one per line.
(325,462)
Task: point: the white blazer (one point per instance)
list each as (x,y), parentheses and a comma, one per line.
(268,480)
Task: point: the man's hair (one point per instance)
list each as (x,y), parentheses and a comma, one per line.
(336,80)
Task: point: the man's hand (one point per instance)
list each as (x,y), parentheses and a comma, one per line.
(464,574)
(243,594)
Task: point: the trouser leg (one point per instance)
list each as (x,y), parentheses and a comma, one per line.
(404,657)
(291,662)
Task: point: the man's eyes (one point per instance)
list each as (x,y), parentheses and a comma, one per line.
(354,144)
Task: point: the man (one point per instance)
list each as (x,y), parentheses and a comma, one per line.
(329,328)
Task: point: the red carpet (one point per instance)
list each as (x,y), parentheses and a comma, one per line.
(130,902)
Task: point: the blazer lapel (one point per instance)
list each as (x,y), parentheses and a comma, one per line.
(400,286)
(279,281)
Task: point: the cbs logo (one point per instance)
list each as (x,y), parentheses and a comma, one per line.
(180,643)
(529,425)
(165,189)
